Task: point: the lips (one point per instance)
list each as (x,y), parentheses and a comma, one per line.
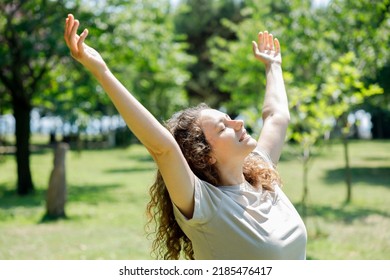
(243,136)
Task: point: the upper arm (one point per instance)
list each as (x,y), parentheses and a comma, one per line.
(178,177)
(272,136)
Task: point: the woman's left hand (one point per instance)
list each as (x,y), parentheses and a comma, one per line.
(267,49)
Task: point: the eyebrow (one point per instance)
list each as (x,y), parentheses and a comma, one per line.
(225,117)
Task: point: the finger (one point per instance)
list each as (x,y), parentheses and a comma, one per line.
(66,28)
(254,48)
(277,46)
(260,40)
(70,21)
(265,39)
(75,26)
(271,41)
(80,42)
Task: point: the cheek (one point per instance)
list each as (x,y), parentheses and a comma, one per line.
(224,143)
(210,141)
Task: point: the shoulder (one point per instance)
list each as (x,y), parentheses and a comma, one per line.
(207,199)
(260,152)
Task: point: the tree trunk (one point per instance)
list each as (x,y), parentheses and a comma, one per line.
(305,164)
(348,176)
(22,111)
(56,193)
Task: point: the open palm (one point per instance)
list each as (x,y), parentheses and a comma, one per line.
(267,49)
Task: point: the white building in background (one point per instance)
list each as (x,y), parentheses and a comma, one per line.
(364,124)
(45,125)
(48,124)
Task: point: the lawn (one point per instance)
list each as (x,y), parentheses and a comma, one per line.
(108,192)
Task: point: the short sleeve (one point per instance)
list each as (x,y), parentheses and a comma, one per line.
(207,199)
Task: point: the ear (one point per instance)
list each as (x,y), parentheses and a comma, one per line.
(212,160)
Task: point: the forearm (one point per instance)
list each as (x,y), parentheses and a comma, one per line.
(141,122)
(275,100)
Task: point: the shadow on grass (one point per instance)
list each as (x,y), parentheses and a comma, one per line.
(85,193)
(130,170)
(373,158)
(372,176)
(10,199)
(92,194)
(343,213)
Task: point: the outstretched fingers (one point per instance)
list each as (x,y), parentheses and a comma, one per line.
(270,42)
(277,46)
(74,41)
(265,41)
(69,27)
(66,31)
(260,40)
(80,42)
(73,31)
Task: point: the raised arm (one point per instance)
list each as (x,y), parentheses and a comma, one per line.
(156,138)
(275,113)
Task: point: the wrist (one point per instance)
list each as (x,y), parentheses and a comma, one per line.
(99,72)
(273,68)
(273,65)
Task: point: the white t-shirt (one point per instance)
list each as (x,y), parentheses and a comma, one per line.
(239,222)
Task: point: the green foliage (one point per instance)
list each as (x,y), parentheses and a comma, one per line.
(311,40)
(328,55)
(200,22)
(138,41)
(29,44)
(344,89)
(363,28)
(287,20)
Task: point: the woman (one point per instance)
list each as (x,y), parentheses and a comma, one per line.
(217,193)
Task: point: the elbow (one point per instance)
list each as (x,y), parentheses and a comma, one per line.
(278,118)
(165,146)
(282,119)
(282,116)
(287,117)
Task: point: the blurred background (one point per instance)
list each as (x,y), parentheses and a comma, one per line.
(172,54)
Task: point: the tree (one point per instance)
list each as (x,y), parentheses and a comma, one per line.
(363,27)
(136,38)
(29,48)
(344,90)
(200,22)
(311,122)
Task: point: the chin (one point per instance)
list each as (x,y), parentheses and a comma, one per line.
(251,144)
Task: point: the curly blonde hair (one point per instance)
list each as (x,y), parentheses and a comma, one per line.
(170,241)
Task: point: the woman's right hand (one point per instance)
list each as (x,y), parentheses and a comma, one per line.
(80,51)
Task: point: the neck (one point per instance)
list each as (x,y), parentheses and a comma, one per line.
(231,175)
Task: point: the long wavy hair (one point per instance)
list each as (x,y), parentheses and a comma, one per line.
(170,242)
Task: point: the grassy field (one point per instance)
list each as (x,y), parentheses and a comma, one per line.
(108,192)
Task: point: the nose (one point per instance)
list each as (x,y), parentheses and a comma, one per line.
(238,124)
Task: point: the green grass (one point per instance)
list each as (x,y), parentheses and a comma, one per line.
(108,192)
